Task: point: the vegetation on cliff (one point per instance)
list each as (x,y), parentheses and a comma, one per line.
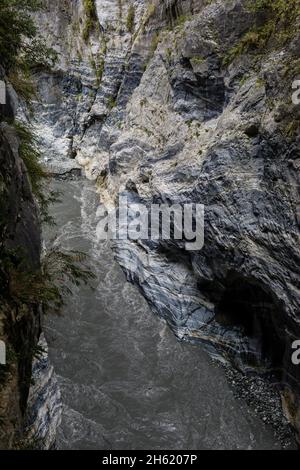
(90,18)
(30,154)
(130,20)
(273,26)
(49,286)
(21,48)
(29,283)
(38,287)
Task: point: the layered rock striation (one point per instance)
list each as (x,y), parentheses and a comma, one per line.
(172,105)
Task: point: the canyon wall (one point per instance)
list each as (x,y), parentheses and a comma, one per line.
(166,102)
(20,320)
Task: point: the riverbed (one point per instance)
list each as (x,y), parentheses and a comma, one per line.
(126,381)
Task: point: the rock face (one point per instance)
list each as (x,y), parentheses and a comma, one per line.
(20,322)
(20,330)
(44,408)
(152,108)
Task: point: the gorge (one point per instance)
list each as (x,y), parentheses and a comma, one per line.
(170,102)
(126,382)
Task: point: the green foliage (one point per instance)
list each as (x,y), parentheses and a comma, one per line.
(49,286)
(197,60)
(100,70)
(30,154)
(182,19)
(16,25)
(21,50)
(88,27)
(251,40)
(112,102)
(90,9)
(292,128)
(99,64)
(20,47)
(154,43)
(150,12)
(18,35)
(91,18)
(23,84)
(280,25)
(61,270)
(169,53)
(130,21)
(93,63)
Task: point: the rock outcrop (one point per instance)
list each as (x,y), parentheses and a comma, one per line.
(44,406)
(20,322)
(165,105)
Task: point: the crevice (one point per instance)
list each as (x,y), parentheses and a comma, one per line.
(248,307)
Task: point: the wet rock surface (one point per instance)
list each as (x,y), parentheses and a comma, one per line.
(265,401)
(19,236)
(160,115)
(44,406)
(20,321)
(126,382)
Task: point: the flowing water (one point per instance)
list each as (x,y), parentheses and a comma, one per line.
(126,381)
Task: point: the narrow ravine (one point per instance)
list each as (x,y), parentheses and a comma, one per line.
(126,382)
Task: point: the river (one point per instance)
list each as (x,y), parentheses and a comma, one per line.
(126,381)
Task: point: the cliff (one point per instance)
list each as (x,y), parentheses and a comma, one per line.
(20,313)
(20,325)
(184,101)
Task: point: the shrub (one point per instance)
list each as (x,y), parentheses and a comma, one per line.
(112,102)
(16,25)
(278,27)
(22,84)
(154,43)
(100,70)
(130,19)
(91,18)
(50,285)
(20,47)
(30,154)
